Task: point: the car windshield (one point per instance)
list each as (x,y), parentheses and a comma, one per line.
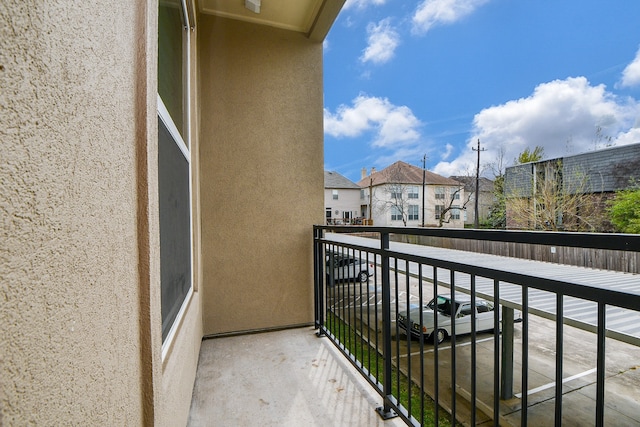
(443,305)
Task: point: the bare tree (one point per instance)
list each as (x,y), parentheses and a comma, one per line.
(557,199)
(454,202)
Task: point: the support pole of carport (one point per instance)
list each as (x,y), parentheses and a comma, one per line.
(506,377)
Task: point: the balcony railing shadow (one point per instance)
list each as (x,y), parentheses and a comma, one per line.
(282,378)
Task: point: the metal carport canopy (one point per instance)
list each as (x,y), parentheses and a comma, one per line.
(621,323)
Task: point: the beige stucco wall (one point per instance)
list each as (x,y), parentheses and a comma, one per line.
(261,160)
(79,270)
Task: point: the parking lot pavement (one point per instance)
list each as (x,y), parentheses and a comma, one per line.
(622,385)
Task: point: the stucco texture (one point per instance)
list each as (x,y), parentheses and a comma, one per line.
(261,174)
(69,294)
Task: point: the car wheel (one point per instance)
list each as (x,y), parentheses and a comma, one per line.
(440,335)
(363,276)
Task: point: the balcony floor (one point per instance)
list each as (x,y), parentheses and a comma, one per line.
(283,378)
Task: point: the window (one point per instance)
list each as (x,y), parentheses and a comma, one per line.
(362,194)
(456,193)
(413,213)
(396,192)
(335,194)
(174,164)
(455,212)
(328,214)
(413,192)
(439,193)
(396,215)
(439,209)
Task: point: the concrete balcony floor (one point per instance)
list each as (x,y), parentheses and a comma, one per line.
(284,378)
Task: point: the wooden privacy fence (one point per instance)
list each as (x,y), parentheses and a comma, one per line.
(605,259)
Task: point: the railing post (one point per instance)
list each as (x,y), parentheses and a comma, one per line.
(386,410)
(318,271)
(507,353)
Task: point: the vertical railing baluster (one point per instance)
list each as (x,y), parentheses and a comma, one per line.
(473,349)
(386,410)
(434,334)
(601,364)
(420,304)
(409,374)
(559,357)
(396,299)
(525,356)
(453,345)
(496,352)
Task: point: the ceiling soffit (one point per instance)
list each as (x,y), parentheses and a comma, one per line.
(293,15)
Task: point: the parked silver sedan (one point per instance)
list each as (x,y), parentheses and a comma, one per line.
(348,268)
(462,308)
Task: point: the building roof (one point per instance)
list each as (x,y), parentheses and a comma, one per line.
(404,173)
(484,184)
(335,180)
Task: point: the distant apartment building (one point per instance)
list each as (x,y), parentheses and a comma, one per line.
(486,198)
(341,199)
(569,193)
(393,196)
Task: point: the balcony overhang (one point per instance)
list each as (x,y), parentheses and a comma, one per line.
(313,18)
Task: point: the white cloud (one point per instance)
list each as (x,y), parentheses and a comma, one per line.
(561,116)
(391,124)
(434,12)
(362,4)
(631,74)
(447,152)
(382,42)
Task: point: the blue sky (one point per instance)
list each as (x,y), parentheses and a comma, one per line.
(408,78)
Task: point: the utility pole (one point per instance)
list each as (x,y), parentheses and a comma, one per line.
(475,217)
(424,173)
(370,222)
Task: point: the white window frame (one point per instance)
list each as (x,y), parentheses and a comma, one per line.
(414,213)
(455,212)
(396,214)
(184,147)
(334,194)
(413,192)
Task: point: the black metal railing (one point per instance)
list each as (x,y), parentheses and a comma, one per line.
(372,318)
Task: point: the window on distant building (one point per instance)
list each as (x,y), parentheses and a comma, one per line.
(396,215)
(455,212)
(413,213)
(439,209)
(174,164)
(396,192)
(456,193)
(439,193)
(362,194)
(335,194)
(328,213)
(413,192)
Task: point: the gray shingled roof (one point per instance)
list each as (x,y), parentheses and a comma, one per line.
(335,180)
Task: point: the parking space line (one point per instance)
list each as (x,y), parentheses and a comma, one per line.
(447,347)
(552,384)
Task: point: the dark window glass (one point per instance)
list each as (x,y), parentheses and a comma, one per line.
(175,228)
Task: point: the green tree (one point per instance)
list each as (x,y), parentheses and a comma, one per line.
(624,209)
(498,211)
(528,156)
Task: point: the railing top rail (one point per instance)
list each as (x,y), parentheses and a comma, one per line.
(610,241)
